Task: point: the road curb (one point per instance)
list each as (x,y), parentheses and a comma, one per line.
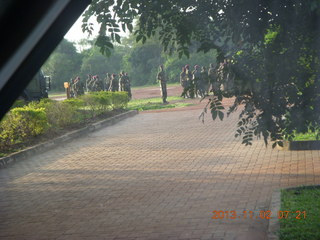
(274,224)
(42,147)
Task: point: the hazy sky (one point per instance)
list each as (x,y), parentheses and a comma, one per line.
(75,33)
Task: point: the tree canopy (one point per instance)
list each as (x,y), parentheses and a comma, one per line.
(271,47)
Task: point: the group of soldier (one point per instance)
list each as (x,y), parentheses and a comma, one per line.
(111,82)
(197,82)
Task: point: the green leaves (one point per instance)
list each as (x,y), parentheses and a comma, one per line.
(257,38)
(216,108)
(105,45)
(247,127)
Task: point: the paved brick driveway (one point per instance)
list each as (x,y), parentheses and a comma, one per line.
(153,176)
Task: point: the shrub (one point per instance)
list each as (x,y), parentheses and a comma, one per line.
(21,124)
(61,114)
(75,102)
(120,100)
(98,102)
(18,103)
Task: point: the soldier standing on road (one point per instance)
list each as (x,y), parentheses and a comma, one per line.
(78,87)
(114,84)
(71,86)
(122,80)
(127,85)
(190,92)
(88,82)
(92,84)
(184,82)
(107,81)
(196,77)
(98,84)
(161,77)
(213,79)
(204,81)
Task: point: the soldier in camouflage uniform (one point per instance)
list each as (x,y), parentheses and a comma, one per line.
(98,84)
(71,86)
(88,80)
(196,77)
(78,87)
(226,77)
(114,83)
(107,81)
(212,74)
(91,84)
(127,85)
(184,82)
(122,79)
(190,84)
(204,81)
(161,77)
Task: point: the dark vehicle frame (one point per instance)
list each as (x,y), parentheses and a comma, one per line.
(37,88)
(32,30)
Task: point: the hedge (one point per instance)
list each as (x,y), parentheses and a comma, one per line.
(23,123)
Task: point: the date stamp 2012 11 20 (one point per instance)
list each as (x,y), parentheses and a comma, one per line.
(258,215)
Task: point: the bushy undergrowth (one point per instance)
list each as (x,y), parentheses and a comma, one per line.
(25,122)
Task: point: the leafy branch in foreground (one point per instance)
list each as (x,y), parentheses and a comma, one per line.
(269,51)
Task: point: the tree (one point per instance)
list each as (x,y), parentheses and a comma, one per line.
(271,49)
(143,62)
(95,63)
(64,63)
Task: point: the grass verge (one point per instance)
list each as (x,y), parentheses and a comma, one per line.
(156,103)
(310,136)
(302,221)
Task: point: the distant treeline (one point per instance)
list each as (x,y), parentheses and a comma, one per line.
(140,61)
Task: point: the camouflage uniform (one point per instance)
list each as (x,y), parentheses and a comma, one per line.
(226,77)
(204,81)
(71,86)
(161,77)
(184,82)
(196,77)
(127,85)
(122,80)
(88,82)
(114,83)
(107,81)
(190,91)
(78,87)
(98,84)
(212,74)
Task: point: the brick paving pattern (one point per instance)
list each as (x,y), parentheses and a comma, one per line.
(153,176)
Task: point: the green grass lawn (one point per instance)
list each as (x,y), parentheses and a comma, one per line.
(155,103)
(305,136)
(299,224)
